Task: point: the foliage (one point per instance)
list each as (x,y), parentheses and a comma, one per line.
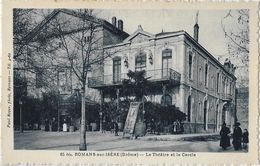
(137,84)
(164,114)
(114,114)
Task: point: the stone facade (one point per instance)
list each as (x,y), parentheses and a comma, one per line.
(184,71)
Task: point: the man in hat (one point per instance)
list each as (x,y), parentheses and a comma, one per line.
(237,136)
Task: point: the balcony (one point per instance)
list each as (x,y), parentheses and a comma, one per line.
(227,97)
(169,75)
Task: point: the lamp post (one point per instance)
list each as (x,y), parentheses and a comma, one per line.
(58,111)
(21,116)
(100,121)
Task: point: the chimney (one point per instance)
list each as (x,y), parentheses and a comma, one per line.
(114,21)
(120,25)
(196,32)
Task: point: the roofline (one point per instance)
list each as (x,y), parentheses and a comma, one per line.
(178,33)
(55,12)
(209,54)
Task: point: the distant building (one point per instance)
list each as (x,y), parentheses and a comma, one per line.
(182,71)
(37,68)
(242,106)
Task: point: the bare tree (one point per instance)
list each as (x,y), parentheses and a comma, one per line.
(236,28)
(81,51)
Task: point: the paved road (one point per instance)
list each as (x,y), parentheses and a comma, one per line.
(96,141)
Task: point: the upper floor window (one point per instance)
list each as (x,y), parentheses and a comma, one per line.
(39,79)
(200,76)
(140,62)
(117,69)
(218,82)
(190,65)
(64,78)
(206,75)
(166,61)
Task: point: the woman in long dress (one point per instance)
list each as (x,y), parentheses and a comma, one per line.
(224,140)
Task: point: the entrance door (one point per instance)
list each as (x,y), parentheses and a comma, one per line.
(205,115)
(189,109)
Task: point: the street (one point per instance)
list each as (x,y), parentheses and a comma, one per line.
(96,141)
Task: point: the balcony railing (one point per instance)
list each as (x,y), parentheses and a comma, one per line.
(152,75)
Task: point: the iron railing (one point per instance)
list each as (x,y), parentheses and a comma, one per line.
(152,75)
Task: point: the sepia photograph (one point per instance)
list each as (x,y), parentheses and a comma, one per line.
(131,80)
(127,83)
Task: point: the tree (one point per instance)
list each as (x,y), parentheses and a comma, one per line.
(236,28)
(137,84)
(80,43)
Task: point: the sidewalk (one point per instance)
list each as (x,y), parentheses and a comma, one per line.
(182,137)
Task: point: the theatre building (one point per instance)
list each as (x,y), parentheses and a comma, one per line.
(185,73)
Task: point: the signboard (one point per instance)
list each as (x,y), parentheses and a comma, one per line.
(131,119)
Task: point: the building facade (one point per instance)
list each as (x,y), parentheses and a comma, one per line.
(44,66)
(183,74)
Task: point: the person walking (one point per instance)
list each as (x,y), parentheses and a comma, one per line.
(245,139)
(224,136)
(116,128)
(237,137)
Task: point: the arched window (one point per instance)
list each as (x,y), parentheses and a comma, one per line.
(166,100)
(206,74)
(116,69)
(189,109)
(140,62)
(166,62)
(190,65)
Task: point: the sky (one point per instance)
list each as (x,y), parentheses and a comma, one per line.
(211,35)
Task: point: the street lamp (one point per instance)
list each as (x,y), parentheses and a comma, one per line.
(100,121)
(21,117)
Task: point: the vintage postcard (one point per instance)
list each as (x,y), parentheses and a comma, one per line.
(129,82)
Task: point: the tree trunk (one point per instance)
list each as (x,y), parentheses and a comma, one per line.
(83,145)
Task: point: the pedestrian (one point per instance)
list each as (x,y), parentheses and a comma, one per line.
(116,128)
(152,127)
(224,136)
(237,136)
(245,139)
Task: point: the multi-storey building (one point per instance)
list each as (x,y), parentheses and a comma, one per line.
(182,71)
(44,66)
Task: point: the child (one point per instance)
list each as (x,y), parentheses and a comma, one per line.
(245,139)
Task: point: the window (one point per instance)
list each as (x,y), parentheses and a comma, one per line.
(166,100)
(190,65)
(218,82)
(166,62)
(116,69)
(39,79)
(140,62)
(200,76)
(65,82)
(206,75)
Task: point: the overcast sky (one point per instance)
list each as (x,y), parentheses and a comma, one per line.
(211,35)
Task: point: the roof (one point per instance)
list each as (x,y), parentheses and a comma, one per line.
(171,34)
(55,12)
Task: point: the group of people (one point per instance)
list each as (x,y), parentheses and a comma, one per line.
(240,139)
(112,127)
